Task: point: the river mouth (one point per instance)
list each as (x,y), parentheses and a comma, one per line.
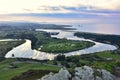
(25,51)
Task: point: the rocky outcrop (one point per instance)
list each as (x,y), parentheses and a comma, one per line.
(84,73)
(117,71)
(88,73)
(63,74)
(81,73)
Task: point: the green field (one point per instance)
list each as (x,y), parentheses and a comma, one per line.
(6,73)
(109,54)
(63,46)
(110,60)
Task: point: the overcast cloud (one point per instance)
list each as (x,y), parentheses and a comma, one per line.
(54,9)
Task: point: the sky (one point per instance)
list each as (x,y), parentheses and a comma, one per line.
(61,11)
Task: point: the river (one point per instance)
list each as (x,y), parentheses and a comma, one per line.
(25,51)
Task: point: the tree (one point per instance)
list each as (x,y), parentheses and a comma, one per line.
(13,55)
(60,57)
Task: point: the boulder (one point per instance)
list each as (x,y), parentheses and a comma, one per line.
(81,73)
(63,74)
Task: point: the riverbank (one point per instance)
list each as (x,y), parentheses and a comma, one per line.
(8,44)
(103,38)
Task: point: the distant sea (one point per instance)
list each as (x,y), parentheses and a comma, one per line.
(99,28)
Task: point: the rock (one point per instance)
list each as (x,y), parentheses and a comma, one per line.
(117,71)
(88,73)
(84,71)
(12,66)
(107,75)
(81,73)
(76,78)
(63,74)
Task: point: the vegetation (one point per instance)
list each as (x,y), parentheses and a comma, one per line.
(6,46)
(112,39)
(42,41)
(11,26)
(32,74)
(63,46)
(26,69)
(107,60)
(14,69)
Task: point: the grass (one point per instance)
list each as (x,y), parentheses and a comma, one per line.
(40,69)
(98,60)
(109,54)
(107,64)
(64,46)
(6,73)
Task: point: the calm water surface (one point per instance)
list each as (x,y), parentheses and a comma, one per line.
(99,28)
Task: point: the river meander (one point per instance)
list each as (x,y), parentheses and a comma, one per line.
(25,51)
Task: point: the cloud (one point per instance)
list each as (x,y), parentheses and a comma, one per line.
(55,6)
(60,20)
(43,19)
(60,10)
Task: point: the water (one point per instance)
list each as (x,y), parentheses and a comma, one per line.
(8,39)
(70,35)
(25,51)
(99,28)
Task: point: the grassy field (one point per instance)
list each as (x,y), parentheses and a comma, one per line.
(107,60)
(32,70)
(110,60)
(63,46)
(6,73)
(6,46)
(109,54)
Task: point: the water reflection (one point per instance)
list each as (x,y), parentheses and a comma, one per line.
(99,28)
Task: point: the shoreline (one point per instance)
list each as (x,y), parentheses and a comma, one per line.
(97,34)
